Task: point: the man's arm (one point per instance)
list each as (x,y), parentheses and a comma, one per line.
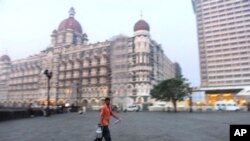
(116,117)
(101,116)
(113,115)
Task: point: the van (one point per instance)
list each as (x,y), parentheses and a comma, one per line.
(226,106)
(132,108)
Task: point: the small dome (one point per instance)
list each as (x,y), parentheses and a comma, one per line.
(54,31)
(5,58)
(70,23)
(141,25)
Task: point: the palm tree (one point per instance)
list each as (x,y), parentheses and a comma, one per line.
(171,90)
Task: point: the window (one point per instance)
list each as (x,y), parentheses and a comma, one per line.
(237,75)
(246,75)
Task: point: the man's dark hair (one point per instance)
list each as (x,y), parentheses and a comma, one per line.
(107,99)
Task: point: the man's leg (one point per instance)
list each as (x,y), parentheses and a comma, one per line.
(106,133)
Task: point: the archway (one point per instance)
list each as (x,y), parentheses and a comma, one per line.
(14,104)
(9,104)
(67,102)
(84,102)
(25,104)
(93,102)
(61,102)
(5,104)
(19,104)
(101,101)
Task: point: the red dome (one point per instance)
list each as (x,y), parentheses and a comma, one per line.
(141,25)
(70,23)
(4,58)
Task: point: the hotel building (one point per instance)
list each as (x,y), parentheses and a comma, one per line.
(223,28)
(123,68)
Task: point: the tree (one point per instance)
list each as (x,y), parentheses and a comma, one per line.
(173,90)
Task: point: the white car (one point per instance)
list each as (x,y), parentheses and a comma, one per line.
(132,108)
(156,108)
(226,106)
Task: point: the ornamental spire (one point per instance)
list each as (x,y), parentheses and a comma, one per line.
(72,12)
(6,51)
(141,14)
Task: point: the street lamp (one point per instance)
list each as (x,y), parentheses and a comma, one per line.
(189,91)
(190,100)
(49,76)
(190,103)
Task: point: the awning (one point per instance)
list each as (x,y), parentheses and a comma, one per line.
(244,92)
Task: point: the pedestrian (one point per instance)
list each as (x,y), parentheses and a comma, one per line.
(43,110)
(105,114)
(82,110)
(63,108)
(139,108)
(30,110)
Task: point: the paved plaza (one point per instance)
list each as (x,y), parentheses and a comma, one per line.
(140,126)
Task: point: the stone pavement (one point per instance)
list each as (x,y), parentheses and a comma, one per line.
(141,126)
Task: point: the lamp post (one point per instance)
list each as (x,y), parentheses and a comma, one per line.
(190,103)
(189,91)
(49,76)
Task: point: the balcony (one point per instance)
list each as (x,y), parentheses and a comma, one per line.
(86,65)
(130,50)
(93,81)
(103,63)
(36,71)
(94,63)
(76,75)
(69,67)
(85,82)
(85,74)
(62,68)
(77,66)
(60,84)
(148,68)
(103,73)
(68,76)
(93,74)
(61,77)
(103,80)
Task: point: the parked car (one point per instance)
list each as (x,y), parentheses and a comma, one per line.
(226,106)
(132,108)
(156,108)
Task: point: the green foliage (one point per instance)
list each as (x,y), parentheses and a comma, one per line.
(171,90)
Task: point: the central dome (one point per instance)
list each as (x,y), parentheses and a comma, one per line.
(141,25)
(70,23)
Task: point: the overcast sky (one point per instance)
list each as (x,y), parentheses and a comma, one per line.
(26,25)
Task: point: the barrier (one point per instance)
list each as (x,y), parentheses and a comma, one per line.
(18,113)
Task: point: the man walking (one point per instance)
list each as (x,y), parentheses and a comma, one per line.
(105,114)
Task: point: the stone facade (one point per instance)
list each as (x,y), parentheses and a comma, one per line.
(123,68)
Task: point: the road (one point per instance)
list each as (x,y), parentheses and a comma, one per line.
(139,126)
